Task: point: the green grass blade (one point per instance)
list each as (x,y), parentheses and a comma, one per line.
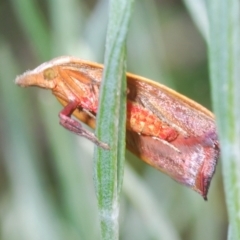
(71,16)
(224,51)
(155,219)
(198,12)
(32,207)
(112,120)
(230,236)
(33,23)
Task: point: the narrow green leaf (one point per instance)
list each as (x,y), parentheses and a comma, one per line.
(34,25)
(155,218)
(31,205)
(230,236)
(111,124)
(198,12)
(224,51)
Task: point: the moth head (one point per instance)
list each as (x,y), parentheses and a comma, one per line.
(44,76)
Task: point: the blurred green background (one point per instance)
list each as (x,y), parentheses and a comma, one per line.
(46,180)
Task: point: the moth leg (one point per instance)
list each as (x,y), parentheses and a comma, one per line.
(76,127)
(89,113)
(167,143)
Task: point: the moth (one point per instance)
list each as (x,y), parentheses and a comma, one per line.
(165,129)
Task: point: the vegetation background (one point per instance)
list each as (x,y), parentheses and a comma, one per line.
(46,185)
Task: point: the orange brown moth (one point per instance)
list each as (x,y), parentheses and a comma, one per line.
(164,128)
